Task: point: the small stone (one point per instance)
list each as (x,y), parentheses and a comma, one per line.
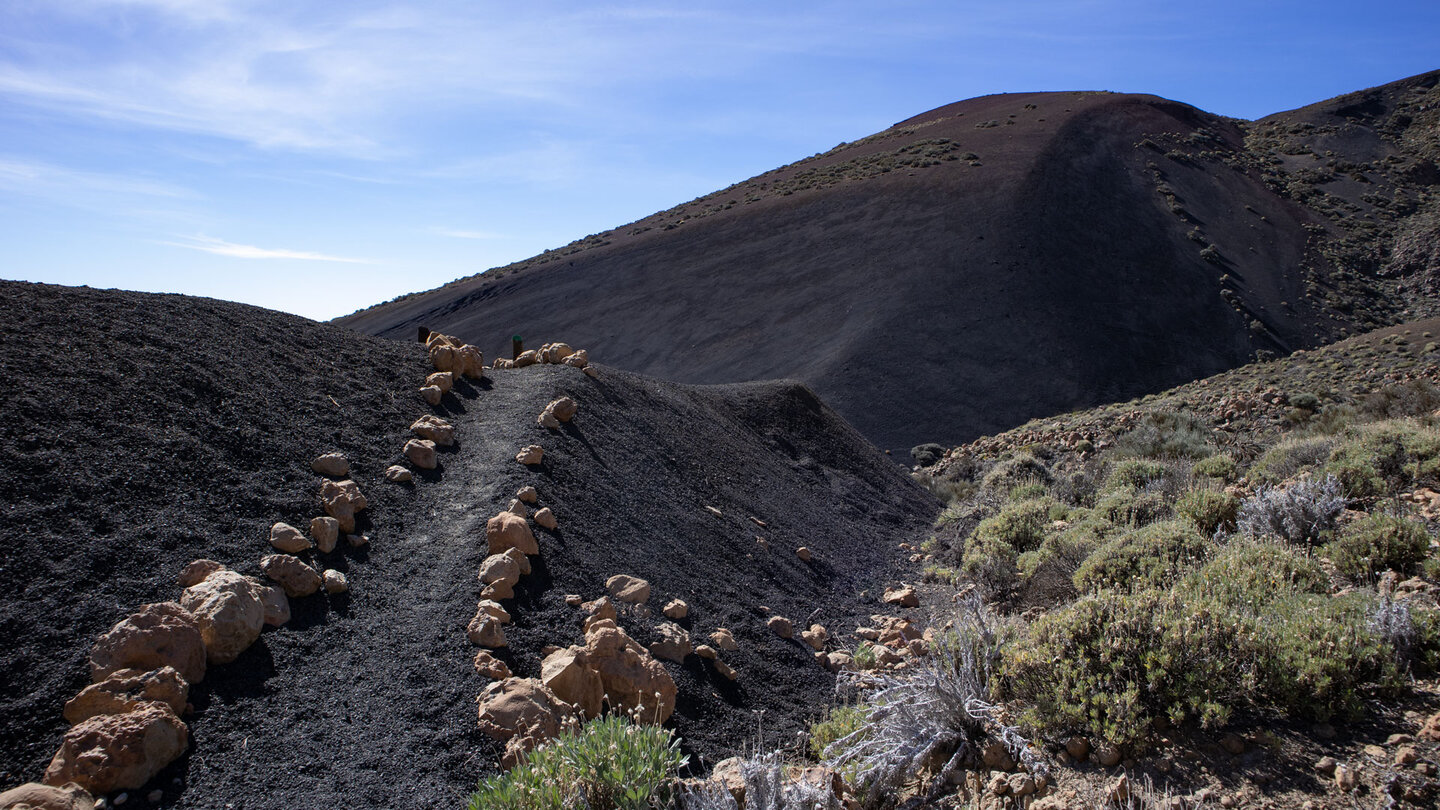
(229,611)
(725,669)
(155,796)
(528,494)
(508,530)
(490,666)
(1107,755)
(335,581)
(397,474)
(672,642)
(545,519)
(331,464)
(443,380)
(574,599)
(357,540)
(341,500)
(1325,765)
(816,636)
(432,394)
(437,430)
(297,578)
(485,631)
(803,553)
(591,372)
(563,408)
(1118,792)
(530,454)
(1345,778)
(781,626)
(547,420)
(1078,748)
(996,757)
(904,596)
(325,531)
(1233,744)
(725,640)
(838,660)
(421,453)
(517,507)
(1406,755)
(1399,739)
(1376,752)
(48,797)
(276,605)
(287,538)
(628,588)
(707,652)
(676,609)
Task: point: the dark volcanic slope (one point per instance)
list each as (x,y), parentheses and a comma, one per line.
(983,263)
(152,430)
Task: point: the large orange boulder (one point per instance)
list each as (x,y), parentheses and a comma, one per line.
(508,530)
(127,690)
(230,610)
(157,635)
(523,713)
(634,682)
(341,500)
(113,752)
(34,796)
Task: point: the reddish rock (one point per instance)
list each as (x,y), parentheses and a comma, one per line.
(114,752)
(157,635)
(127,690)
(508,530)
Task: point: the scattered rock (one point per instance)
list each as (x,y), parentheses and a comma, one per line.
(491,667)
(421,453)
(676,609)
(725,670)
(563,409)
(567,673)
(1430,730)
(197,571)
(228,609)
(725,640)
(555,352)
(635,683)
(545,519)
(523,713)
(781,626)
(574,600)
(580,359)
(1233,744)
(527,358)
(996,757)
(1107,755)
(716,512)
(276,605)
(357,540)
(530,454)
(816,636)
(341,500)
(895,631)
(517,507)
(287,538)
(803,553)
(672,643)
(508,530)
(35,796)
(335,581)
(628,589)
(331,464)
(547,420)
(437,430)
(1399,739)
(1021,784)
(500,573)
(904,596)
(838,660)
(520,560)
(1345,778)
(297,578)
(707,652)
(1078,748)
(397,474)
(1118,792)
(1325,766)
(114,752)
(325,531)
(432,394)
(443,380)
(157,635)
(591,372)
(127,690)
(494,610)
(527,494)
(485,631)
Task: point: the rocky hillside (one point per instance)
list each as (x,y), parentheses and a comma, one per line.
(1000,259)
(141,432)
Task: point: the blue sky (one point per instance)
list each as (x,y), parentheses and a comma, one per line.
(318,157)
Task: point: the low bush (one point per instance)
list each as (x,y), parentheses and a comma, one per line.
(1299,513)
(1021,468)
(991,550)
(1220,465)
(1169,434)
(1152,557)
(1377,543)
(768,786)
(1028,491)
(840,721)
(1131,507)
(1210,510)
(1111,663)
(1383,458)
(1248,574)
(1134,473)
(1290,457)
(610,764)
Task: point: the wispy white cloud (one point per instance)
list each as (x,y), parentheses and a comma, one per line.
(34,177)
(220,247)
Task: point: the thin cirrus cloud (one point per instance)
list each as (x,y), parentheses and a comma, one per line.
(220,247)
(461,233)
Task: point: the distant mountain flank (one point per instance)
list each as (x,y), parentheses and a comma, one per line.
(1001,258)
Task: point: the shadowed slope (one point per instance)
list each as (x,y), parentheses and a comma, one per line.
(983,263)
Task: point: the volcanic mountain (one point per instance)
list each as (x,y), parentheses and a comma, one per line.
(141,432)
(1001,258)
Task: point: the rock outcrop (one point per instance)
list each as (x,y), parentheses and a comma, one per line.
(114,752)
(157,635)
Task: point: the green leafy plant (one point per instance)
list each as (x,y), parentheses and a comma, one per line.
(1220,465)
(610,764)
(1210,510)
(1151,557)
(1377,543)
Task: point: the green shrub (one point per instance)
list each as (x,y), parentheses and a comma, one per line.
(1110,664)
(1021,468)
(610,763)
(1305,402)
(1383,458)
(1220,466)
(1134,473)
(1319,654)
(1288,458)
(1210,510)
(1062,552)
(1028,491)
(839,722)
(1152,557)
(1169,434)
(1248,574)
(1377,543)
(1130,507)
